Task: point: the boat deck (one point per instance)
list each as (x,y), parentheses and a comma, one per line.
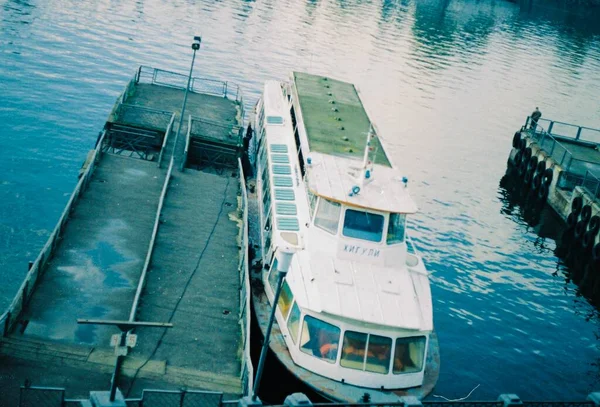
(334,117)
(193,278)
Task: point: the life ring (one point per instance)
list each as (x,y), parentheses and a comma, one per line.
(516,139)
(533,161)
(586,213)
(588,240)
(596,253)
(571,220)
(518,158)
(580,229)
(536,182)
(548,175)
(541,167)
(594,225)
(576,205)
(543,192)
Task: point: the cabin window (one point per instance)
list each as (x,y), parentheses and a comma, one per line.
(363,225)
(409,354)
(274,120)
(293,322)
(366,352)
(320,339)
(328,215)
(396,227)
(285,299)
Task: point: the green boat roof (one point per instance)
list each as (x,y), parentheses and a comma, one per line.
(335,120)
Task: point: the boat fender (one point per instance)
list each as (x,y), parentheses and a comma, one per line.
(543,192)
(586,213)
(523,144)
(596,253)
(537,181)
(594,226)
(528,176)
(580,229)
(588,240)
(518,158)
(516,139)
(576,205)
(541,167)
(572,220)
(522,167)
(527,154)
(548,175)
(533,161)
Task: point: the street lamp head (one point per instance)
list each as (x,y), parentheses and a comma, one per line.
(196,44)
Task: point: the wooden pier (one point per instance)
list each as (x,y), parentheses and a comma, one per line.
(154,232)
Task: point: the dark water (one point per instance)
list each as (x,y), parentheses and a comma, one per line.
(447,81)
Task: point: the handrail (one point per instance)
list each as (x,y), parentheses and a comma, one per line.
(187,144)
(164,144)
(236,131)
(155,76)
(577,130)
(8,318)
(142,281)
(247,367)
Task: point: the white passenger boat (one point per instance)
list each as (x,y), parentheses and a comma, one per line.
(354,318)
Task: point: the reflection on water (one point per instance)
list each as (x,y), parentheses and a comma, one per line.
(448,83)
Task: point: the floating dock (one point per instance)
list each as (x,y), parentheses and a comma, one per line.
(559,163)
(154,232)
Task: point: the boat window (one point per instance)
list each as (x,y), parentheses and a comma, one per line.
(395,232)
(273,275)
(294,322)
(363,225)
(274,120)
(409,354)
(328,215)
(285,299)
(353,350)
(377,356)
(320,339)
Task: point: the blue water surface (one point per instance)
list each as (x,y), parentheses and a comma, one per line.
(447,81)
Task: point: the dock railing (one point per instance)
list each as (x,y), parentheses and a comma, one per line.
(55,397)
(567,130)
(243,266)
(554,143)
(10,317)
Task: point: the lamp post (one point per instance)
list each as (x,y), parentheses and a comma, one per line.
(195,47)
(284,259)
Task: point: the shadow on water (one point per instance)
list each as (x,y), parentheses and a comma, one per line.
(574,263)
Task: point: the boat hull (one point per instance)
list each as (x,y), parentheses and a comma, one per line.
(330,389)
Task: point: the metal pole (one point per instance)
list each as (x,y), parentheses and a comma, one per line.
(185,97)
(115,377)
(265,347)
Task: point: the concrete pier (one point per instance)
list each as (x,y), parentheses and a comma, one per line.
(559,163)
(152,233)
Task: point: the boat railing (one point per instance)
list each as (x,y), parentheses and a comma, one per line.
(38,267)
(155,76)
(247,367)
